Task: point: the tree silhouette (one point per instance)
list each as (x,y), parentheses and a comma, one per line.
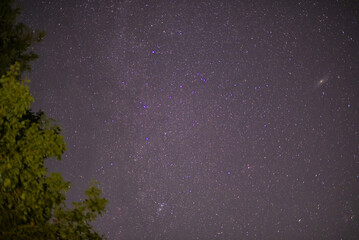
(16,39)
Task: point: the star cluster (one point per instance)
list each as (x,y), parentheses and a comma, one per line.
(206,119)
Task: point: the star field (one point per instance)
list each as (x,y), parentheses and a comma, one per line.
(206,119)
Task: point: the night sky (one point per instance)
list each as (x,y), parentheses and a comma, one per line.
(206,119)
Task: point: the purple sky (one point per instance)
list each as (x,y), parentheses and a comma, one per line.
(206,119)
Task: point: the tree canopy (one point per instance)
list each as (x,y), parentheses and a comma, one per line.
(16,38)
(32,201)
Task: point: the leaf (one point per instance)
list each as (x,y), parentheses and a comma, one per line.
(7,182)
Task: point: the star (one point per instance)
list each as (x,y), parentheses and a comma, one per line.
(192,114)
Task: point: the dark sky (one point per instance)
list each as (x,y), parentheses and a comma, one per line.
(206,119)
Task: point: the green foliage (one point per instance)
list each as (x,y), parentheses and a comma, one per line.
(16,38)
(32,202)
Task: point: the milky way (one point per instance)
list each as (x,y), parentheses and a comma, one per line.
(206,119)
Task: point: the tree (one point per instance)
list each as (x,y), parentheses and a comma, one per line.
(16,39)
(32,202)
